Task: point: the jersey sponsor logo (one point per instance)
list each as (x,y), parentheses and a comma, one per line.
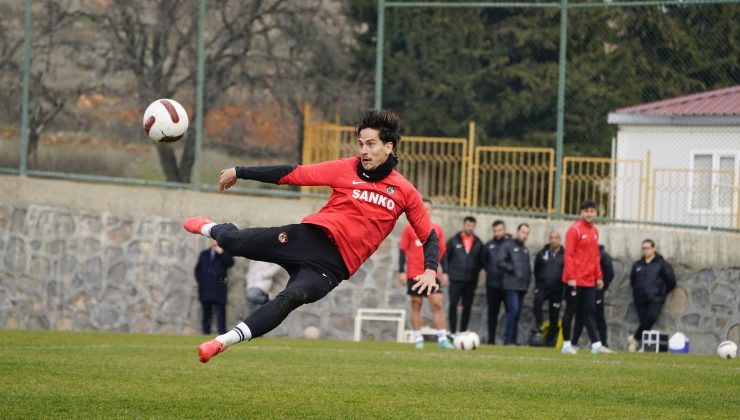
(375,198)
(357,182)
(418,243)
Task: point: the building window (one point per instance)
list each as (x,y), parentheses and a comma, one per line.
(713,181)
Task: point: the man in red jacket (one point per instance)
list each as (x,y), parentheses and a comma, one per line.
(368,196)
(410,265)
(582,274)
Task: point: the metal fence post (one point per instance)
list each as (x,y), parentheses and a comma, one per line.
(561,103)
(199,77)
(379,44)
(25,85)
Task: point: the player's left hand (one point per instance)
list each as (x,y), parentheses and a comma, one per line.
(426,281)
(600,284)
(226,179)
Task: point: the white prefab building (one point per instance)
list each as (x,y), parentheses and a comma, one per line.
(685,152)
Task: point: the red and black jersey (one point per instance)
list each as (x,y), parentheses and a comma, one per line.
(359,214)
(412,249)
(582,257)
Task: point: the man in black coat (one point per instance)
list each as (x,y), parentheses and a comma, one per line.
(461,265)
(651,279)
(494,276)
(548,275)
(607,271)
(514,263)
(210,273)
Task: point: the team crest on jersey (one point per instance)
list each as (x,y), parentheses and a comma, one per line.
(391,190)
(282,237)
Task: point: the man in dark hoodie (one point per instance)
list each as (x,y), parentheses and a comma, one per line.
(607,271)
(548,275)
(514,262)
(494,276)
(651,279)
(461,265)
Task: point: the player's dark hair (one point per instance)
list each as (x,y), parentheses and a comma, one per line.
(649,241)
(386,122)
(469,219)
(498,223)
(588,204)
(518,228)
(426,200)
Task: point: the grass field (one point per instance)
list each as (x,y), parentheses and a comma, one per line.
(83,375)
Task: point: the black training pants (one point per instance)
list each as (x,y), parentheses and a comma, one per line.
(554,299)
(648,312)
(312,260)
(494,296)
(458,290)
(583,301)
(599,319)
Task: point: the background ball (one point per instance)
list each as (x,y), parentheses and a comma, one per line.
(165,121)
(727,350)
(311,333)
(466,341)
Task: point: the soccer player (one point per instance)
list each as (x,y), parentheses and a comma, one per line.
(494,275)
(651,278)
(462,263)
(582,275)
(411,264)
(548,276)
(607,270)
(367,198)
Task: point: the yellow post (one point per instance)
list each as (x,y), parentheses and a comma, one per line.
(467,199)
(648,165)
(551,177)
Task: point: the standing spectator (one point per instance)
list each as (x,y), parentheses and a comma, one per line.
(262,277)
(651,279)
(461,264)
(582,274)
(411,264)
(607,270)
(548,275)
(494,276)
(514,263)
(210,273)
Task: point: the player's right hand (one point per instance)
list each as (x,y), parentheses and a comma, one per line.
(226,179)
(402,279)
(572,283)
(444,279)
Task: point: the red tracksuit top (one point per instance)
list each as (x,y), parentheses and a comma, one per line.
(582,258)
(360,214)
(414,251)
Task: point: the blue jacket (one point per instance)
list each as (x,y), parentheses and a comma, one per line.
(210,273)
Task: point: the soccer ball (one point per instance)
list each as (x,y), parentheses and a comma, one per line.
(466,341)
(727,350)
(165,121)
(311,333)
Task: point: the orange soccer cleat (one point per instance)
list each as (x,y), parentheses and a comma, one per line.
(195,224)
(209,349)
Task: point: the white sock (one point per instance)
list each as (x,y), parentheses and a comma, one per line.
(441,335)
(595,345)
(566,343)
(418,336)
(240,333)
(206,229)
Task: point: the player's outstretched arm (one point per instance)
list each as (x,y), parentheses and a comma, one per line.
(269,174)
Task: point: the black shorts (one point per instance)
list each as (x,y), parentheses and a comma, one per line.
(410,283)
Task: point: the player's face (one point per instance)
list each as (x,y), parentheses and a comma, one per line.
(554,240)
(588,215)
(468,228)
(522,234)
(373,151)
(648,251)
(499,231)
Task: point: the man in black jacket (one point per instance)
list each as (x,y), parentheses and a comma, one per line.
(210,273)
(548,275)
(651,279)
(494,276)
(607,271)
(514,262)
(461,264)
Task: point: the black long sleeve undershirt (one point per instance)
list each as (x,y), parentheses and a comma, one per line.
(269,174)
(431,252)
(401,261)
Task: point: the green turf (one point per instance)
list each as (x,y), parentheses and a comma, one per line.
(82,375)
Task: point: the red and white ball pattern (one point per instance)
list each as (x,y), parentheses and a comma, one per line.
(165,121)
(466,341)
(727,350)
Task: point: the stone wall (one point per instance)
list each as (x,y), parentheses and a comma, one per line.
(78,256)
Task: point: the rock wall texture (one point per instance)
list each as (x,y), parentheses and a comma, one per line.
(94,257)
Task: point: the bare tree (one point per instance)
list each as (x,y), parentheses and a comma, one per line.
(155,41)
